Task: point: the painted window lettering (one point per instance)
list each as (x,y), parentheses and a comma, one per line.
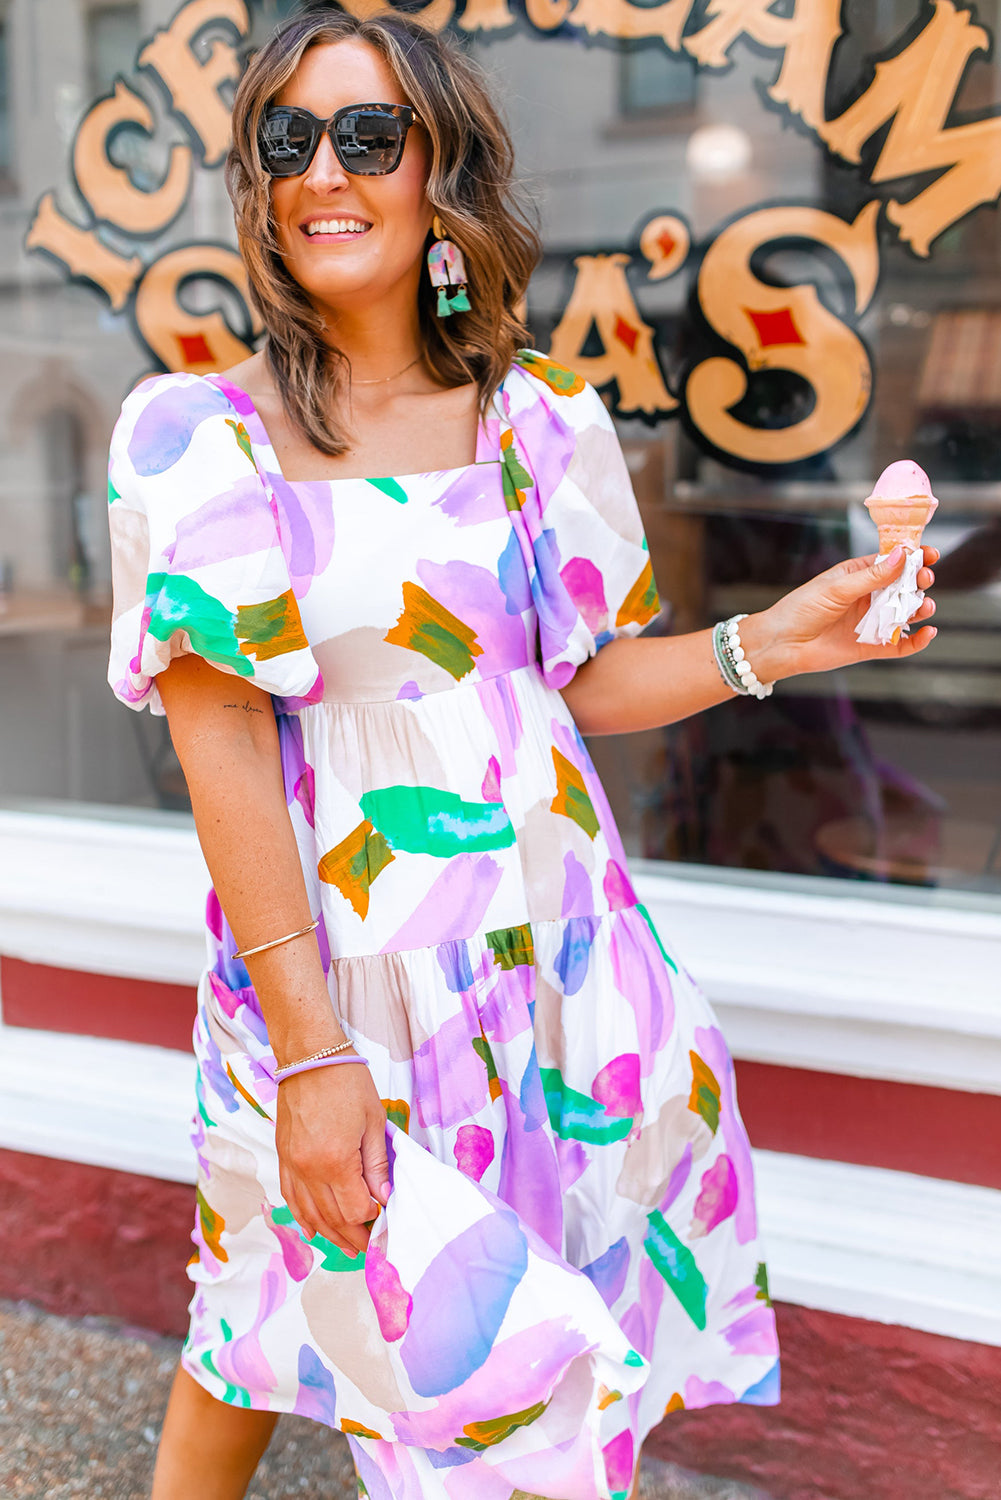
(923,164)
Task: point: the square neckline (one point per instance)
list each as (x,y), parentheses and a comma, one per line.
(245,408)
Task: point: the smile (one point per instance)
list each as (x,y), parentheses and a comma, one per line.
(335,226)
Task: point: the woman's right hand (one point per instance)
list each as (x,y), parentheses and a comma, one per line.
(330,1131)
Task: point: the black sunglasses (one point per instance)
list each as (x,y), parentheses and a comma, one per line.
(368,138)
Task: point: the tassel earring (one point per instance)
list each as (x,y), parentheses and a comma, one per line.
(448,273)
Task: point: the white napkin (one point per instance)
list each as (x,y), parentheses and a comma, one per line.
(892,607)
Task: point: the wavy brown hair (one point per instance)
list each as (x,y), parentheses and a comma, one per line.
(470,185)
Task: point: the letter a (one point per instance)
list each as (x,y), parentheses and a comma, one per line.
(601,297)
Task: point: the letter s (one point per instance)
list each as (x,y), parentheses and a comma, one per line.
(783,328)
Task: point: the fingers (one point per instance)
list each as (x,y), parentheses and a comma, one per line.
(375,1162)
(347,1234)
(859,576)
(926,577)
(304,1211)
(887,567)
(910,645)
(338,1209)
(924,636)
(356,1208)
(319,1211)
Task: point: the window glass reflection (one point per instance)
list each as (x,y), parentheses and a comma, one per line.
(782,270)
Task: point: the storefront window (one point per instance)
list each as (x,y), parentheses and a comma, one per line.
(113,35)
(651,82)
(5,124)
(777,260)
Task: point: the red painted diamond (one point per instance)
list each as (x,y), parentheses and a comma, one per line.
(195,349)
(626,334)
(775,328)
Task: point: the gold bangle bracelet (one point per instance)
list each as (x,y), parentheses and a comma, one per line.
(313,1057)
(275,942)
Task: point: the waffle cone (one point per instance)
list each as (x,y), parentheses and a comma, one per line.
(901,519)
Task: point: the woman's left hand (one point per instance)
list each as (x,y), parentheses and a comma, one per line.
(813,628)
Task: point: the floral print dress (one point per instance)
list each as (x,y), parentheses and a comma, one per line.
(569,1249)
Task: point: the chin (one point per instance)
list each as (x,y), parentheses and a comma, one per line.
(343,289)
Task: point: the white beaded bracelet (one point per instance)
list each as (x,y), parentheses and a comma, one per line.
(737,661)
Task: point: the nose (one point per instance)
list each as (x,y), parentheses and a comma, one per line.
(325,173)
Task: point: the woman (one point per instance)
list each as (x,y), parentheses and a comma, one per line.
(376,687)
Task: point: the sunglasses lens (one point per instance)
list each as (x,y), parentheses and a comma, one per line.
(287,139)
(369,141)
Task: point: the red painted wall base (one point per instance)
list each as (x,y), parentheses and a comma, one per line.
(869,1412)
(130,1010)
(80,1240)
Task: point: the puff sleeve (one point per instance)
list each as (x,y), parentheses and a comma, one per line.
(197,559)
(574,513)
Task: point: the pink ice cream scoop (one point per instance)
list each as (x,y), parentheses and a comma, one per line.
(901,505)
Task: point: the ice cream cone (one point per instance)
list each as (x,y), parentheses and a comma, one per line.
(901,505)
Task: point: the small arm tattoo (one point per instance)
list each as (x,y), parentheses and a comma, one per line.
(248,707)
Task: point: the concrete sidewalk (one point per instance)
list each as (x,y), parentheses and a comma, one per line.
(81,1401)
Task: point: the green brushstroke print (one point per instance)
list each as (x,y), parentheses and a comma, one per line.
(676,1264)
(392,488)
(426,820)
(578,1117)
(512,947)
(179,603)
(334,1259)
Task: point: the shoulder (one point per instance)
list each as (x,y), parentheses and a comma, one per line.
(164,415)
(564,431)
(554,391)
(175,394)
(557,378)
(248,374)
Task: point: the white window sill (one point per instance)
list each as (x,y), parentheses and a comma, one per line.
(802,973)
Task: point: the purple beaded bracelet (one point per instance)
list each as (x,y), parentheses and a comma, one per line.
(321,1062)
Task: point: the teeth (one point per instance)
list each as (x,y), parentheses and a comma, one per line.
(336,226)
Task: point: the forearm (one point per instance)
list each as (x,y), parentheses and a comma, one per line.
(238,801)
(231,759)
(643,683)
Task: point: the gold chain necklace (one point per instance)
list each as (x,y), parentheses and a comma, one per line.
(383,378)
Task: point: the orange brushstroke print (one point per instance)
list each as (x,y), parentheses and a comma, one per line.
(242,438)
(641,603)
(355,1429)
(272,628)
(480,1435)
(428,627)
(571,797)
(483,1051)
(705,1096)
(512,947)
(354,863)
(558,378)
(244,1094)
(515,476)
(212,1225)
(398,1113)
